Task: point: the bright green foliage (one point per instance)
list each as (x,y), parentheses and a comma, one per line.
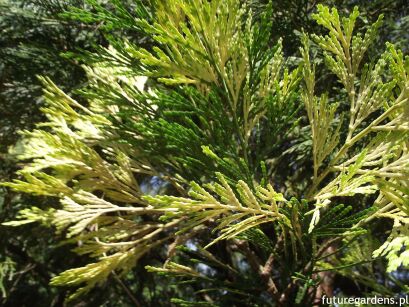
(398,239)
(383,162)
(237,215)
(320,114)
(221,102)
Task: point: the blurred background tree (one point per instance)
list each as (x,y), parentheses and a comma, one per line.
(34,35)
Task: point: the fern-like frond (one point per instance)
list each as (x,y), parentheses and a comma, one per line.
(97,272)
(69,151)
(321,114)
(192,31)
(395,248)
(233,213)
(175,269)
(350,181)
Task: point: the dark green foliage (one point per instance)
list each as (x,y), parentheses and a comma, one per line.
(208,184)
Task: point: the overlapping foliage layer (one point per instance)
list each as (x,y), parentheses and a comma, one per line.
(177,155)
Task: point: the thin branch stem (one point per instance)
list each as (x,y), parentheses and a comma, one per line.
(344,149)
(127,290)
(255,263)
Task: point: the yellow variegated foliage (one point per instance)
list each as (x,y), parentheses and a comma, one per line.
(78,155)
(382,166)
(233,215)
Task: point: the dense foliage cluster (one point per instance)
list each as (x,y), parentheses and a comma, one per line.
(200,164)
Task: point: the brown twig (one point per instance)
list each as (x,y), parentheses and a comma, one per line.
(256,265)
(127,290)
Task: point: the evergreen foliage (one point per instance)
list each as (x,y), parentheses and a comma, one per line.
(170,157)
